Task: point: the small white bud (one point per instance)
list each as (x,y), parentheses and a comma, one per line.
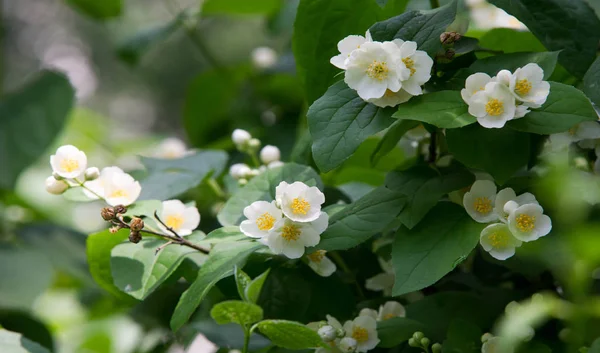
(348,345)
(239,170)
(240,137)
(275,164)
(56,187)
(327,333)
(264,57)
(92,173)
(270,154)
(243,181)
(254,144)
(254,172)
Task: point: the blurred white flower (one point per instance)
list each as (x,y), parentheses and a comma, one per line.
(320,263)
(263,57)
(346,46)
(348,345)
(384,281)
(290,238)
(587,130)
(299,202)
(240,137)
(270,154)
(487,16)
(121,189)
(479,201)
(497,344)
(171,148)
(391,310)
(498,241)
(239,171)
(56,187)
(368,312)
(262,216)
(363,329)
(96,186)
(493,106)
(68,162)
(527,222)
(179,217)
(275,164)
(327,333)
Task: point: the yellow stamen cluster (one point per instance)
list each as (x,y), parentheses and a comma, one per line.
(118,193)
(498,240)
(378,70)
(525,222)
(494,107)
(265,221)
(300,206)
(69,165)
(317,256)
(523,87)
(290,232)
(410,64)
(360,334)
(388,316)
(174,221)
(483,205)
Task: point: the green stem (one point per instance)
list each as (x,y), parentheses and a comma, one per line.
(81,183)
(246,340)
(254,158)
(216,188)
(434,3)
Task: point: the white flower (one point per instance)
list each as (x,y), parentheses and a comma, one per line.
(384,281)
(497,240)
(320,263)
(374,68)
(121,189)
(335,323)
(509,194)
(527,85)
(91,173)
(368,312)
(270,154)
(348,345)
(239,170)
(56,187)
(290,238)
(587,130)
(364,330)
(497,344)
(346,46)
(493,106)
(262,216)
(521,110)
(275,164)
(419,64)
(327,333)
(479,201)
(391,99)
(263,57)
(527,222)
(240,137)
(473,84)
(95,188)
(171,148)
(390,310)
(177,216)
(298,201)
(68,162)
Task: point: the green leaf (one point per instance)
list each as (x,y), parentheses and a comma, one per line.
(423,27)
(339,122)
(397,330)
(565,107)
(493,64)
(168,178)
(24,275)
(12,342)
(143,208)
(567,25)
(240,7)
(500,152)
(463,337)
(99,10)
(242,280)
(138,270)
(262,187)
(252,291)
(444,109)
(319,26)
(423,188)
(220,263)
(30,119)
(132,50)
(390,139)
(27,325)
(510,41)
(426,253)
(224,235)
(236,311)
(591,82)
(595,348)
(362,219)
(289,334)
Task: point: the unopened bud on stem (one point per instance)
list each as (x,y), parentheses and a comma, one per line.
(107,213)
(448,38)
(91,173)
(120,209)
(136,224)
(135,237)
(327,333)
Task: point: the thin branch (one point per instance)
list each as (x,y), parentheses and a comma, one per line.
(162,247)
(166,226)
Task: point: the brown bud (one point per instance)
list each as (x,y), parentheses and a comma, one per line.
(135,237)
(448,38)
(120,209)
(114,229)
(136,224)
(108,214)
(449,54)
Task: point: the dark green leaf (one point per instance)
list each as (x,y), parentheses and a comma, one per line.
(12,342)
(565,107)
(236,311)
(500,152)
(319,26)
(220,263)
(444,109)
(168,178)
(567,25)
(24,275)
(491,65)
(27,325)
(262,187)
(591,82)
(240,7)
(135,47)
(393,7)
(254,288)
(426,253)
(30,119)
(595,348)
(99,10)
(242,280)
(391,138)
(397,330)
(289,334)
(462,337)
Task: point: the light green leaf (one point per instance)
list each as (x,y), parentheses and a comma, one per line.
(240,7)
(493,64)
(462,337)
(30,119)
(289,334)
(132,50)
(397,330)
(24,275)
(229,336)
(236,311)
(565,107)
(391,138)
(319,26)
(429,251)
(444,109)
(595,348)
(138,270)
(591,82)
(12,342)
(168,178)
(99,10)
(262,187)
(362,219)
(143,208)
(252,291)
(423,188)
(511,41)
(567,25)
(393,7)
(220,263)
(339,122)
(500,152)
(242,280)
(224,235)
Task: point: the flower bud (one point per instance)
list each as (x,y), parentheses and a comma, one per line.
(348,345)
(327,333)
(254,144)
(135,237)
(449,54)
(240,137)
(486,336)
(269,154)
(436,348)
(107,213)
(412,342)
(254,172)
(418,335)
(91,173)
(448,38)
(275,164)
(264,57)
(425,341)
(239,170)
(136,224)
(120,209)
(243,181)
(56,187)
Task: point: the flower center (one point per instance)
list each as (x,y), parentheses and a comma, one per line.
(494,107)
(410,64)
(378,70)
(523,87)
(389,93)
(573,130)
(69,165)
(360,334)
(174,221)
(265,221)
(388,316)
(290,232)
(300,206)
(525,222)
(498,240)
(118,193)
(317,256)
(483,205)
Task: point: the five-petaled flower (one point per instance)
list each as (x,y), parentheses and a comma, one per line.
(364,330)
(299,202)
(179,217)
(498,241)
(262,216)
(479,201)
(68,162)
